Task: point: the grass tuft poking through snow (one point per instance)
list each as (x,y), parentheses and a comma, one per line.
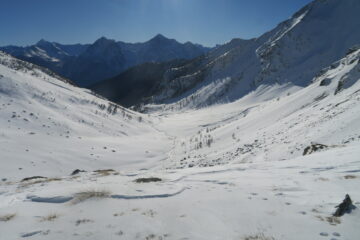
(258,236)
(106,172)
(81,221)
(50,217)
(89,194)
(7,217)
(42,180)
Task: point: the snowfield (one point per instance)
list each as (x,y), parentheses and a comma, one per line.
(229,171)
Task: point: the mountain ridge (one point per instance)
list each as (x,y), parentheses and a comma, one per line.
(292,53)
(77,61)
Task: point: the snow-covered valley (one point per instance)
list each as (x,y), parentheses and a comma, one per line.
(228,171)
(257,139)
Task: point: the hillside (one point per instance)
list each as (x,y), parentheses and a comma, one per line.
(43,117)
(136,84)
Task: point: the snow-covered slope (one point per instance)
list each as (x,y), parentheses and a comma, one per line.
(228,171)
(42,118)
(274,122)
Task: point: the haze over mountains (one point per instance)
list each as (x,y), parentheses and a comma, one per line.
(86,64)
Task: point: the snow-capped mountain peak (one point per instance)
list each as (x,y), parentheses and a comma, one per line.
(86,64)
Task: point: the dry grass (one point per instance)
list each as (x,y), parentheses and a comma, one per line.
(118,214)
(42,180)
(322,179)
(49,218)
(7,217)
(90,194)
(106,172)
(331,220)
(258,236)
(82,221)
(350,177)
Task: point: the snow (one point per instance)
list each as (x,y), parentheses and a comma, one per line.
(292,23)
(251,179)
(41,116)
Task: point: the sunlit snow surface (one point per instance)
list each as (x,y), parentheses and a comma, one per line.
(248,176)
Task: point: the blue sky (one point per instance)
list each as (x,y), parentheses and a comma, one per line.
(208,22)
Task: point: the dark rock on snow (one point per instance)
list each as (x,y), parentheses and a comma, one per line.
(345,207)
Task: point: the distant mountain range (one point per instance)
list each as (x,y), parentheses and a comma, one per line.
(86,64)
(164,71)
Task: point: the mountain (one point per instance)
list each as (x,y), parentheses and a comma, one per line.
(99,61)
(105,58)
(47,54)
(160,49)
(291,54)
(135,84)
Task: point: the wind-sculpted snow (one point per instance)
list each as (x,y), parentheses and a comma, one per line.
(62,199)
(165,195)
(286,195)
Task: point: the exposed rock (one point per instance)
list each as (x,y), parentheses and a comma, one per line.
(147,180)
(325,82)
(314,148)
(77,171)
(345,207)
